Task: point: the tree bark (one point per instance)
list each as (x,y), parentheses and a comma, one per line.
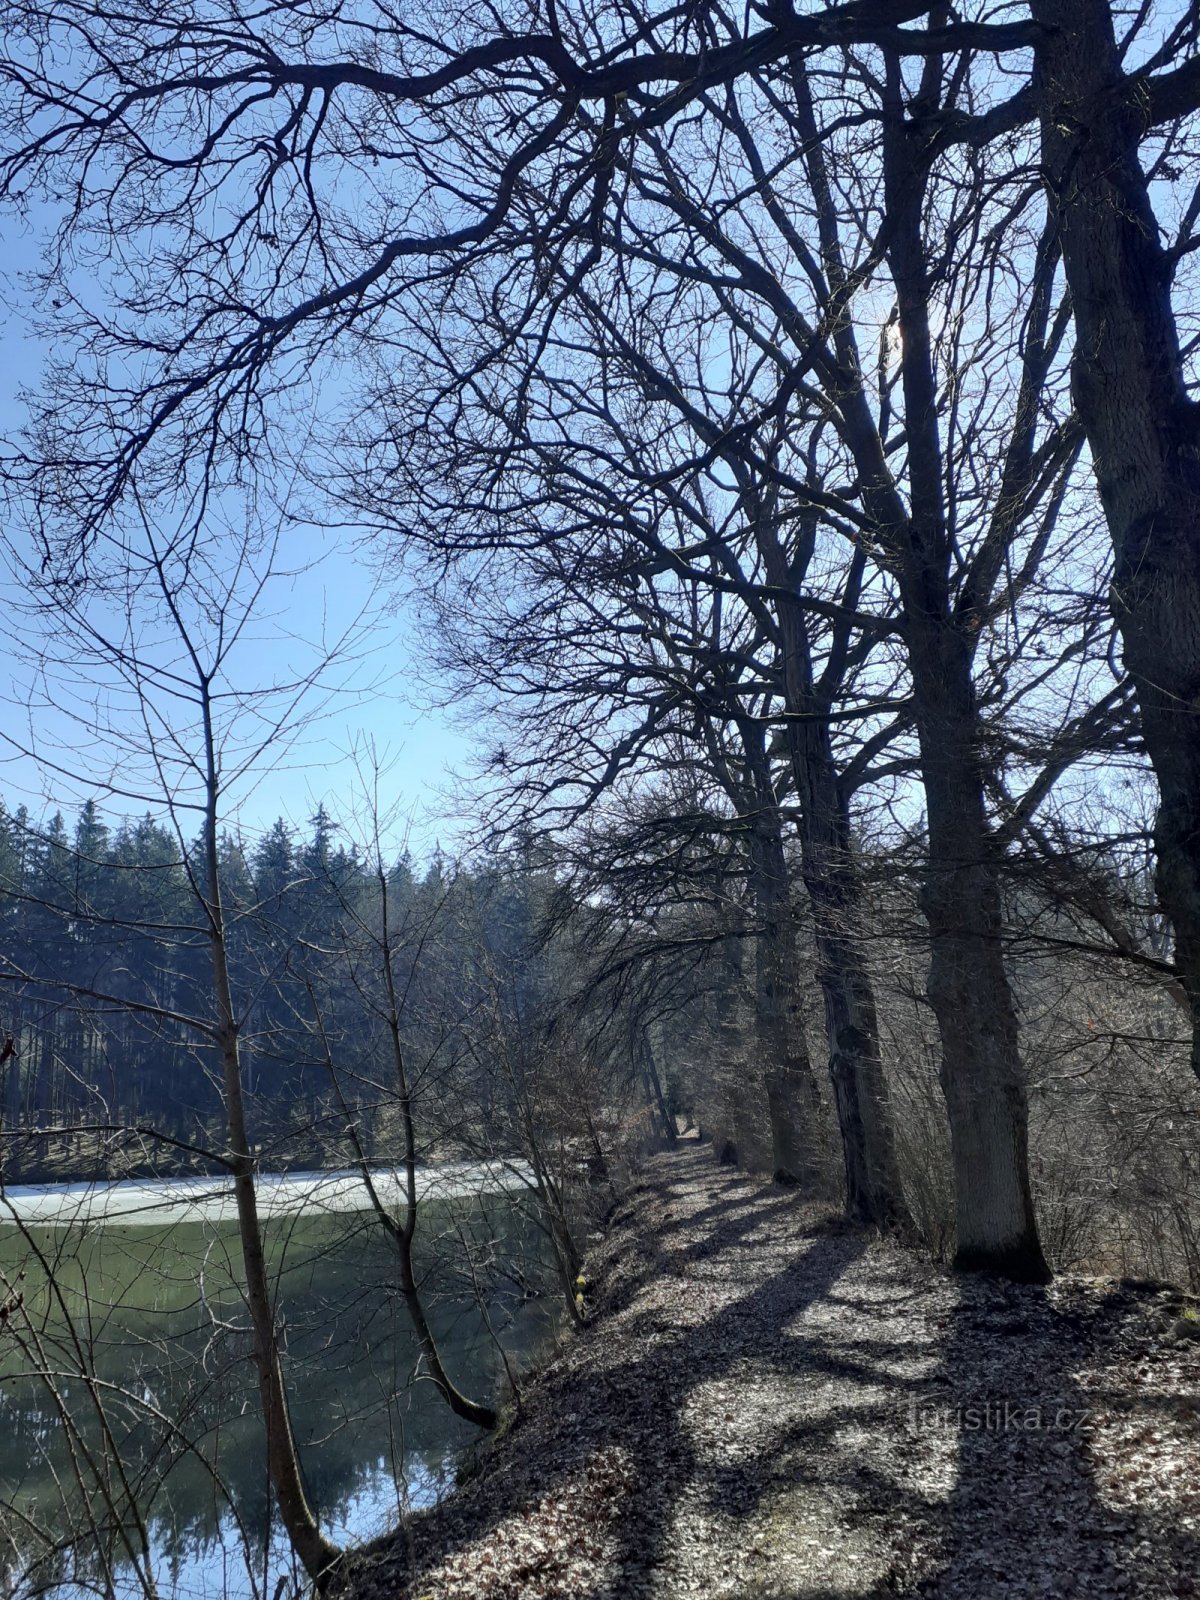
(793,1104)
(732,1105)
(874,1192)
(316,1553)
(982,1075)
(1141,425)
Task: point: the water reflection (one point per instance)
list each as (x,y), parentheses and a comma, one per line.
(126,1383)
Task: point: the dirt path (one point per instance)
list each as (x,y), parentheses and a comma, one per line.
(768,1404)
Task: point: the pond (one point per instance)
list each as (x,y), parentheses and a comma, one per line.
(129,1430)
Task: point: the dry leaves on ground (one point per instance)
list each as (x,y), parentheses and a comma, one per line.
(769,1405)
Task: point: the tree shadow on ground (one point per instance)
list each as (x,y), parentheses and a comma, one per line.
(628,1395)
(1013,1474)
(1038,1387)
(781,1409)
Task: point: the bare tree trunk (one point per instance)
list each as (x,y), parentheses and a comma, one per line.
(874,1192)
(554,1213)
(316,1553)
(732,1106)
(982,1075)
(791,1155)
(1141,424)
(461,1405)
(650,1067)
(793,1103)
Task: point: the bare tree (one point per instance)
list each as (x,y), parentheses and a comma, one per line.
(520,172)
(912,519)
(382,954)
(146,655)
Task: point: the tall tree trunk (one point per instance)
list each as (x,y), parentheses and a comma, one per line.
(1143,429)
(732,1107)
(483,1416)
(793,1104)
(402,1233)
(654,1117)
(874,1193)
(317,1555)
(982,1076)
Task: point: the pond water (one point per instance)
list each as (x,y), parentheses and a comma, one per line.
(126,1380)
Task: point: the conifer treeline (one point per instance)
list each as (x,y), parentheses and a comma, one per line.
(104,957)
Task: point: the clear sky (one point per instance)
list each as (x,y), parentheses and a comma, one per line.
(418,746)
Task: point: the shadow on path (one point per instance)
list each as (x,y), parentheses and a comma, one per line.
(772,1405)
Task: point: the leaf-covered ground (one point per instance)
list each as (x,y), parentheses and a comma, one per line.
(768,1404)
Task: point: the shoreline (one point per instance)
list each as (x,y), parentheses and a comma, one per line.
(161,1202)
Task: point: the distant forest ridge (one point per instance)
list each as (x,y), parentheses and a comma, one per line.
(105,967)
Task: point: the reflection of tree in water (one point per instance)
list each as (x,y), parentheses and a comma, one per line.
(155,1320)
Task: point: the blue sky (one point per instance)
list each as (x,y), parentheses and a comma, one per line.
(417,746)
